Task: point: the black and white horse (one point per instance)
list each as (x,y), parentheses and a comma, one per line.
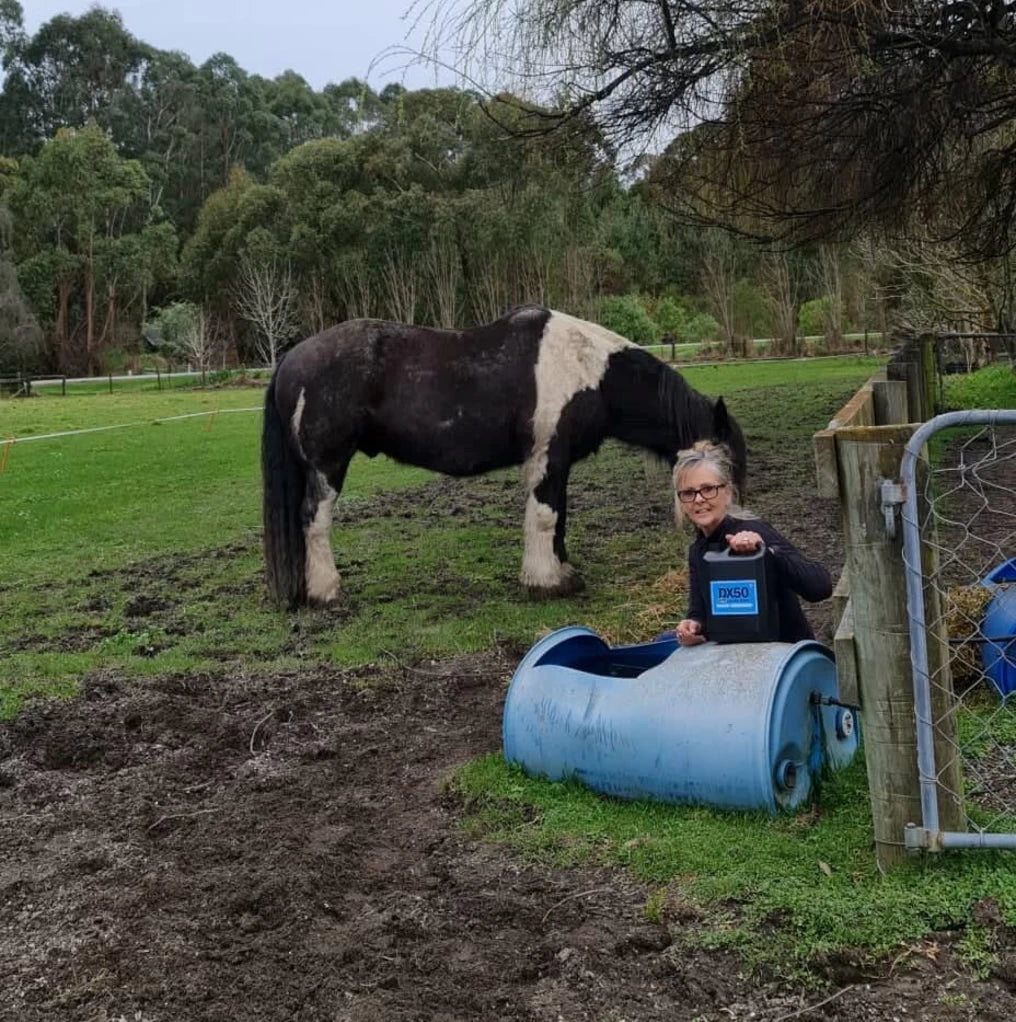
(535,388)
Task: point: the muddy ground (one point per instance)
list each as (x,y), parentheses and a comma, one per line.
(266,846)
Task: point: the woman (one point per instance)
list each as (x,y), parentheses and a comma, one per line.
(705,495)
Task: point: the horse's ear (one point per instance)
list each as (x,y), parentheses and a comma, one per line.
(721,420)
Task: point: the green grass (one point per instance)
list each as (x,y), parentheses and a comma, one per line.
(781,891)
(88,522)
(148,382)
(92,525)
(991,387)
(96,501)
(718,379)
(48,412)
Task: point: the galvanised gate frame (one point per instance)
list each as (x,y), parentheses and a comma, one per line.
(984,488)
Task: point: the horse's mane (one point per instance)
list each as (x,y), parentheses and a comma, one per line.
(687,409)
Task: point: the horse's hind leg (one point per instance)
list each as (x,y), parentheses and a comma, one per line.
(321,573)
(323,488)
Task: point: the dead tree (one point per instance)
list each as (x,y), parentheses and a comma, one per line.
(266,297)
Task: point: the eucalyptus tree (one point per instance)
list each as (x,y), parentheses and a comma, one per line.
(354,106)
(86,247)
(20,336)
(161,133)
(436,214)
(301,113)
(71,71)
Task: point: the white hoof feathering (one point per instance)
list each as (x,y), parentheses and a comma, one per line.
(540,567)
(322,575)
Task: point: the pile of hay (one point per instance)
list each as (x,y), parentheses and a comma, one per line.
(964,611)
(652,609)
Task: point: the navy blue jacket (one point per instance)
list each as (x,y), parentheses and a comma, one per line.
(795,575)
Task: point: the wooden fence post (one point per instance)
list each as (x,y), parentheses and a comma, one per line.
(866,457)
(890,400)
(928,372)
(914,365)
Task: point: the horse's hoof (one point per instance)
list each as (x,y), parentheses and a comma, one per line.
(568,586)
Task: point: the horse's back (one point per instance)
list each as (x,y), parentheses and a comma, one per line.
(455,401)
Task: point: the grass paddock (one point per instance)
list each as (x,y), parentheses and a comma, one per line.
(137,551)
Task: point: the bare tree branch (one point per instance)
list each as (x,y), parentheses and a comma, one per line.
(266,297)
(785,120)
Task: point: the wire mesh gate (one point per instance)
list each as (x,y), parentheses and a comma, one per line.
(959,550)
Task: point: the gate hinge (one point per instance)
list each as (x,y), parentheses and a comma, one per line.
(920,839)
(893,495)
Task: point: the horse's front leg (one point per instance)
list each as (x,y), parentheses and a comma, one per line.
(545,570)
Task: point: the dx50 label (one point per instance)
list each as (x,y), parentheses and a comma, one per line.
(734,596)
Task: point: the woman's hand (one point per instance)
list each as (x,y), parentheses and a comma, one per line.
(746,542)
(689,632)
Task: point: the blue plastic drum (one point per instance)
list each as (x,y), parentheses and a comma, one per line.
(998,650)
(745,726)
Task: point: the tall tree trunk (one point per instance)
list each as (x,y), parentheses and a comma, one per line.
(60,326)
(90,308)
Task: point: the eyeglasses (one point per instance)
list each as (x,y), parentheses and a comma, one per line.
(705,492)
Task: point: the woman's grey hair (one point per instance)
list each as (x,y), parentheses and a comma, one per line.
(717,458)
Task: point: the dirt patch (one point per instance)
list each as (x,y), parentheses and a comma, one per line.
(283,846)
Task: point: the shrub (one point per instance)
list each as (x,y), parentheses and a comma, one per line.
(811,320)
(627,316)
(751,313)
(991,387)
(166,330)
(701,327)
(672,318)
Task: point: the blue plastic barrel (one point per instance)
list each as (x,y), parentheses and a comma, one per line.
(998,626)
(738,726)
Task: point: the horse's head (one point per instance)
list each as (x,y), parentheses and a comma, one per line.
(727,431)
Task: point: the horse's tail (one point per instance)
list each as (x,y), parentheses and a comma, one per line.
(284,478)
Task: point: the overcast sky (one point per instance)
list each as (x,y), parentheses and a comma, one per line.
(322,40)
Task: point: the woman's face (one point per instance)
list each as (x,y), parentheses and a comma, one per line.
(705,510)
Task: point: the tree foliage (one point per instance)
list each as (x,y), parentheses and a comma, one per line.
(141,184)
(20,336)
(796,120)
(87,250)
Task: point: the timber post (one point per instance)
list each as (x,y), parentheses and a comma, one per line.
(868,460)
(914,365)
(858,461)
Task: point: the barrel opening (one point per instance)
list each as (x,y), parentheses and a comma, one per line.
(592,655)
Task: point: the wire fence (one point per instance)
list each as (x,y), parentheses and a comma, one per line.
(967,352)
(155,379)
(10,440)
(959,524)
